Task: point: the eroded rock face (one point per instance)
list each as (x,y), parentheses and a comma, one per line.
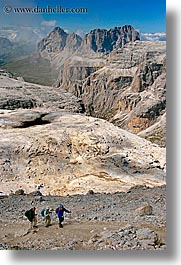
(77,58)
(126,87)
(130,90)
(97,40)
(72,153)
(128,73)
(53,43)
(117,76)
(102,40)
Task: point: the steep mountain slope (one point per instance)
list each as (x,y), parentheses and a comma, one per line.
(118,77)
(128,88)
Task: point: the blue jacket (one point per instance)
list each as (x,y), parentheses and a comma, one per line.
(61,212)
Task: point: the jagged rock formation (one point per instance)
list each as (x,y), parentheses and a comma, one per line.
(69,153)
(127,77)
(129,90)
(118,78)
(77,58)
(97,40)
(102,40)
(59,44)
(72,153)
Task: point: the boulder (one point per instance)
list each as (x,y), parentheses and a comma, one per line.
(144,210)
(19,192)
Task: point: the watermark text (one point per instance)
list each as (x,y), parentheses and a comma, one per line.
(48,9)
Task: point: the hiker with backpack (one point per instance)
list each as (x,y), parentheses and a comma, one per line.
(60,212)
(32,217)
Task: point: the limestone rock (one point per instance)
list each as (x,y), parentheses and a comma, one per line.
(108,159)
(102,40)
(18,94)
(19,192)
(54,42)
(126,86)
(16,103)
(144,210)
(130,90)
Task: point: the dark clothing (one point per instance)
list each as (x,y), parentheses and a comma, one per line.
(61,219)
(30,214)
(60,211)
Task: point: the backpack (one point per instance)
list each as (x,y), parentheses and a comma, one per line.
(43,212)
(28,215)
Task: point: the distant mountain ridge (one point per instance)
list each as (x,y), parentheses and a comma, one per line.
(17,42)
(102,40)
(23,34)
(10,51)
(57,41)
(97,40)
(157,36)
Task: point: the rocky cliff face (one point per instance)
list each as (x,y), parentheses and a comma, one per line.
(47,146)
(53,43)
(58,44)
(128,90)
(119,78)
(102,40)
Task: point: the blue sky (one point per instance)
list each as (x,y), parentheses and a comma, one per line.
(147,16)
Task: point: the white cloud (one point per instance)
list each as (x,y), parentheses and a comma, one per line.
(48,23)
(80,32)
(158,36)
(67,31)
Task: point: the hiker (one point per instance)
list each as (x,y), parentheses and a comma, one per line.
(60,212)
(32,217)
(47,216)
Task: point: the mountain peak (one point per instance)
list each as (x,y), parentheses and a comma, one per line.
(54,42)
(102,40)
(59,30)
